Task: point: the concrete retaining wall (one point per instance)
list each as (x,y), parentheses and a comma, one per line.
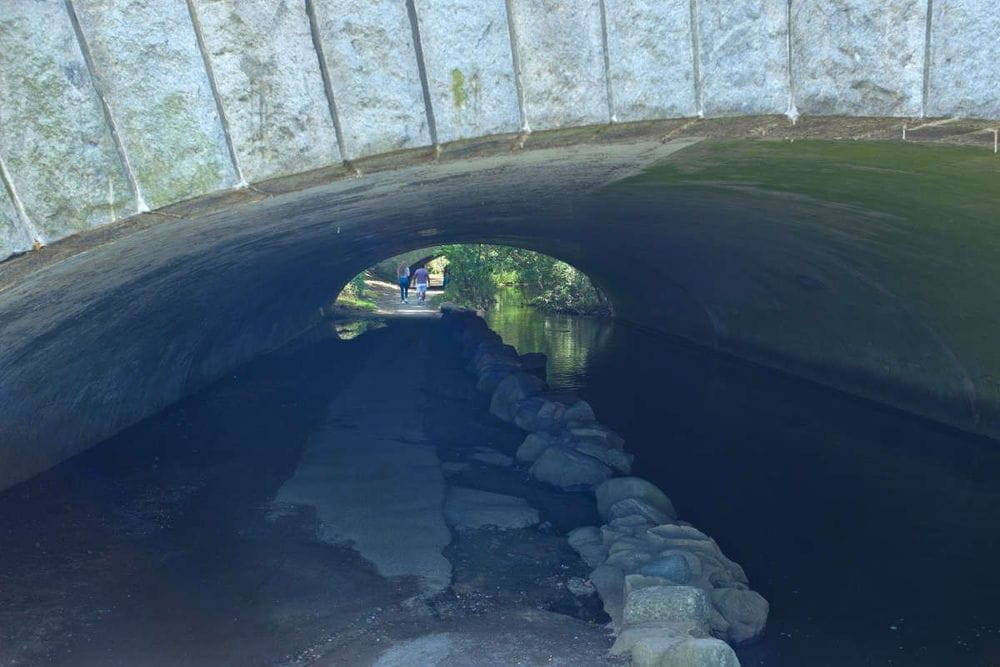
(109,106)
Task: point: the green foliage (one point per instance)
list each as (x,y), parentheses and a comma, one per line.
(477,271)
(355,294)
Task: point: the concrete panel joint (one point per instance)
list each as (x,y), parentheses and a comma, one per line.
(325,73)
(925,92)
(88,58)
(696,58)
(607,62)
(411,11)
(792,112)
(207,62)
(516,60)
(21,216)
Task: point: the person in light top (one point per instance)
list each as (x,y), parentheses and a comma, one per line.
(421,279)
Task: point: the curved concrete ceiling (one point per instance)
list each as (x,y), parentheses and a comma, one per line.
(868,266)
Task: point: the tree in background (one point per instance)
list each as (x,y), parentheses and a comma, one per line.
(478,270)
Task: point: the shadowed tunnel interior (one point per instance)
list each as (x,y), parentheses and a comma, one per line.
(870,267)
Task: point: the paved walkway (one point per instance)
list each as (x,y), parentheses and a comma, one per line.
(371,477)
(387,300)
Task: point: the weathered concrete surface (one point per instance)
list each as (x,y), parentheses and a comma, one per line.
(651,63)
(12,236)
(228,304)
(470,72)
(372,63)
(150,68)
(561,53)
(53,134)
(372,480)
(855,57)
(844,262)
(268,77)
(744,63)
(965,50)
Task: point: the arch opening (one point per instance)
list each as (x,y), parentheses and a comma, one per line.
(847,263)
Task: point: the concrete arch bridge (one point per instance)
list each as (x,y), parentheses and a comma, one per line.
(809,184)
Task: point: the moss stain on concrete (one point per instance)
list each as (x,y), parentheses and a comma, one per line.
(460,96)
(903,239)
(190,168)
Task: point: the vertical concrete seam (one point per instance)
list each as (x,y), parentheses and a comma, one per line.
(411,10)
(926,91)
(515,58)
(213,85)
(24,221)
(324,73)
(109,116)
(792,112)
(699,101)
(612,117)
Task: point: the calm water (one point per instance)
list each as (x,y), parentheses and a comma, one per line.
(872,533)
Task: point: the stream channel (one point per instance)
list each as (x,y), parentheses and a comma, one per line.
(871,532)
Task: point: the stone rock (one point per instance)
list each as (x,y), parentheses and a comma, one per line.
(620,488)
(634,523)
(598,433)
(699,653)
(628,557)
(370,56)
(586,541)
(552,411)
(744,57)
(533,446)
(470,77)
(649,651)
(268,78)
(584,535)
(470,508)
(652,75)
(629,636)
(857,58)
(492,457)
(51,118)
(567,468)
(680,604)
(534,362)
(673,567)
(513,388)
(454,467)
(637,507)
(579,412)
(559,47)
(746,611)
(677,532)
(171,131)
(580,587)
(964,77)
(451,308)
(610,584)
(613,458)
(536,413)
(491,379)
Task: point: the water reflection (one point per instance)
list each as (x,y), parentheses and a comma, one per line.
(872,532)
(569,341)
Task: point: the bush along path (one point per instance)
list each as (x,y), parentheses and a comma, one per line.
(673,597)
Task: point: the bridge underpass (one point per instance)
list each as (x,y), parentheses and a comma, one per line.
(867,267)
(812,191)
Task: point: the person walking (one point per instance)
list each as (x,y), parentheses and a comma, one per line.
(403,274)
(421,278)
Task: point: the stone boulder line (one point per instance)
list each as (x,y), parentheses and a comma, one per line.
(673,597)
